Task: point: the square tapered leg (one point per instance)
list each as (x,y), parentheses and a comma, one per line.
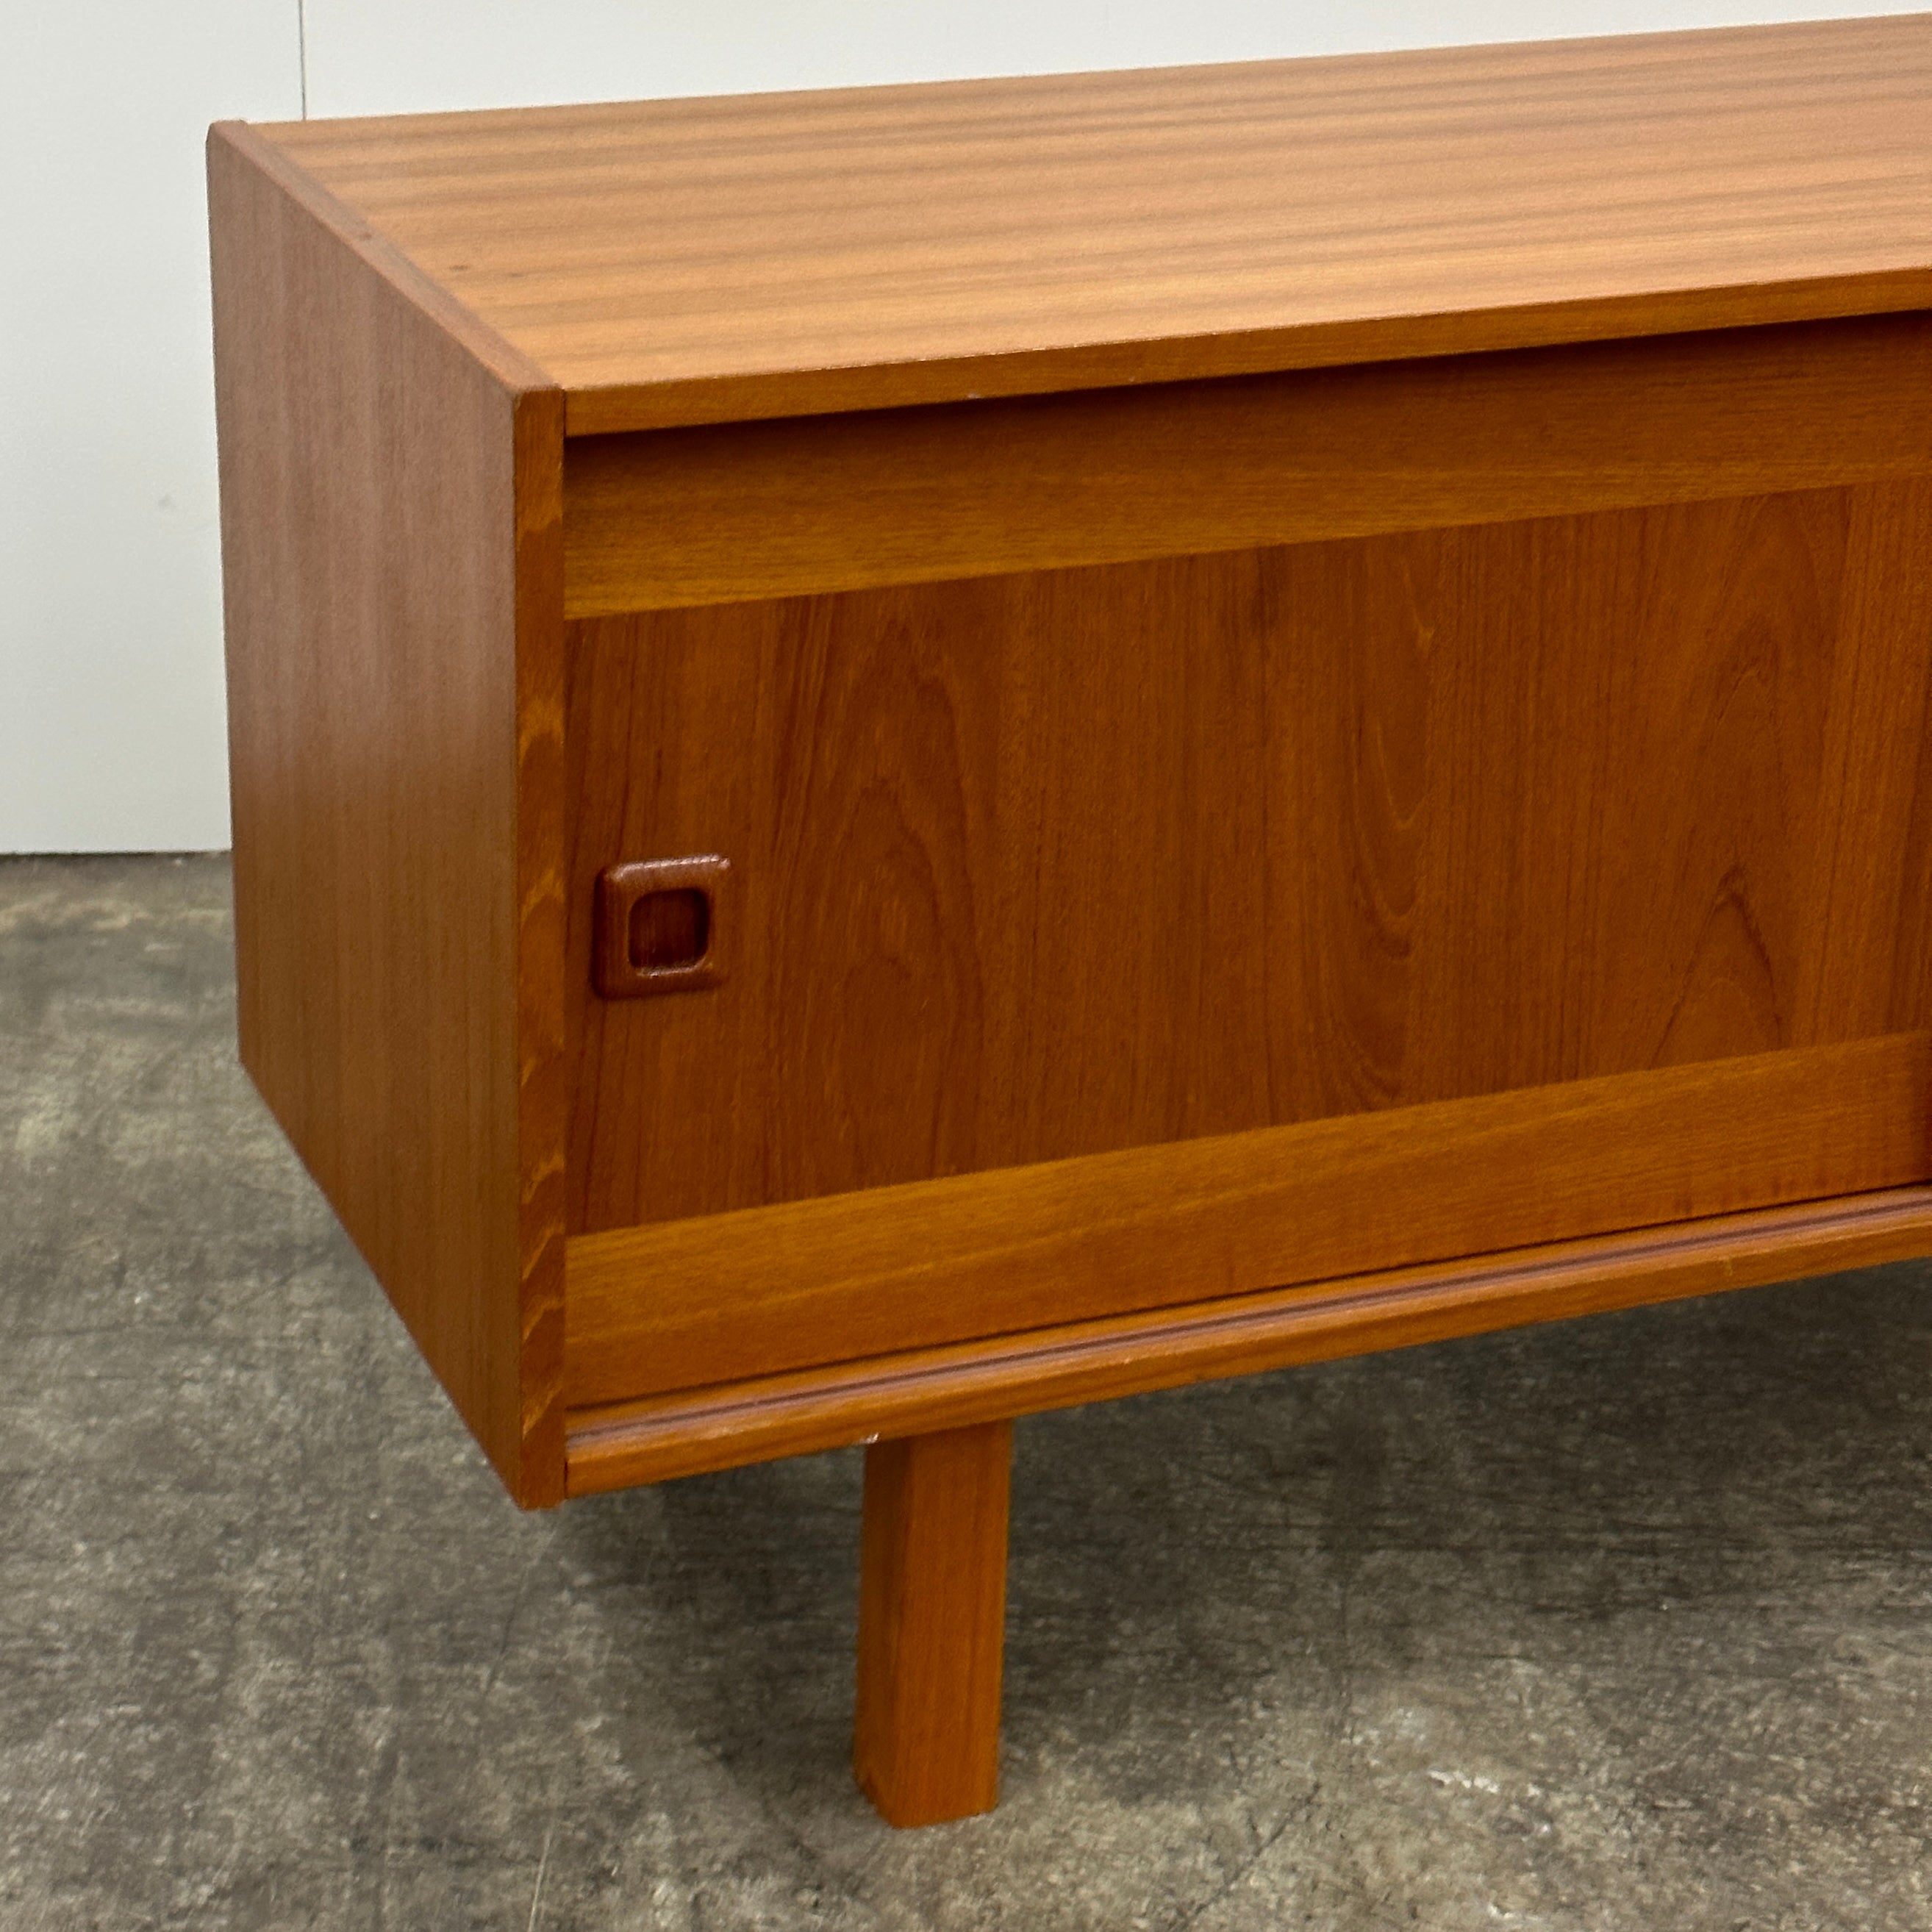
(932,1596)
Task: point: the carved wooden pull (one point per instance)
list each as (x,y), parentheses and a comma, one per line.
(660,927)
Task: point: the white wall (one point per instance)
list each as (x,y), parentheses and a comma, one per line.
(111,727)
(396,56)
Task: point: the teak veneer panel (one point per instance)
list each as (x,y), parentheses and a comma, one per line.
(695,261)
(667,518)
(391,503)
(1037,866)
(687,1303)
(663,1437)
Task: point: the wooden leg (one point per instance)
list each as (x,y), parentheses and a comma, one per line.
(932,1602)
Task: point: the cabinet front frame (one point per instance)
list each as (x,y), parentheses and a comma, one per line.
(706,1341)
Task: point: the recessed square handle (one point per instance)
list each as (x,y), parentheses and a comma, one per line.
(661,926)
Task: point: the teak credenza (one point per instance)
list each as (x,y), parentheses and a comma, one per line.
(905,756)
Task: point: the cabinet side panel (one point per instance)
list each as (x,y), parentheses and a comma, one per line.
(373,536)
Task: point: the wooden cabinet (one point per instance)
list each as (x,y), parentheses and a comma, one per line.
(905,756)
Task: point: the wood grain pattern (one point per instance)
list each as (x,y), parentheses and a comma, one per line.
(691,261)
(932,1599)
(543,1098)
(667,518)
(686,1303)
(255,147)
(1034,867)
(664,1437)
(392,501)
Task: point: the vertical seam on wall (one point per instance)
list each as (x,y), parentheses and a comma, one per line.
(302,52)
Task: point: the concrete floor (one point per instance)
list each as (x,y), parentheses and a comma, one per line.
(1623,1623)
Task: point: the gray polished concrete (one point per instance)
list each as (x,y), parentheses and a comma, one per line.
(1626,1624)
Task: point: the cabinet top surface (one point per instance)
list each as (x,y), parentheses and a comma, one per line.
(765,255)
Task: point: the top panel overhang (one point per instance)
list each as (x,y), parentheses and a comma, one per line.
(771,255)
